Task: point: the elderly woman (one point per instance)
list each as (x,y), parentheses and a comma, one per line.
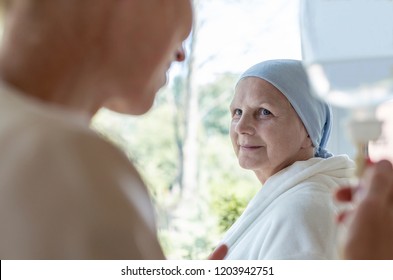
(279,130)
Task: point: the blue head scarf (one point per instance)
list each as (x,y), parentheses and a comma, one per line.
(289,77)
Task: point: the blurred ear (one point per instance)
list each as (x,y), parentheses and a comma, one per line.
(307,143)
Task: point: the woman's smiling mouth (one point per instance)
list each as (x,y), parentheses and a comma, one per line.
(249,147)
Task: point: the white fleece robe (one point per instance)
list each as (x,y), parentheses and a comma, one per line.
(293,214)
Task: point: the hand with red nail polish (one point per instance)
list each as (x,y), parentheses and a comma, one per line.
(370,224)
(219,253)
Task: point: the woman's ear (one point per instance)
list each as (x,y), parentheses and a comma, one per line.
(307,143)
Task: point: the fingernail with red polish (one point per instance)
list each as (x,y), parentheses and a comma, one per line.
(369,162)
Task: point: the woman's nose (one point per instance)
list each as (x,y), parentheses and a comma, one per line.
(180,54)
(245,125)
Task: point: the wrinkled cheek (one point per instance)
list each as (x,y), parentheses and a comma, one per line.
(280,153)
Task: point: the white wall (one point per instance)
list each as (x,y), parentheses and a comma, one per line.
(339,142)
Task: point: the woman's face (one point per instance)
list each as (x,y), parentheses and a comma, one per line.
(143,39)
(266,132)
(96,53)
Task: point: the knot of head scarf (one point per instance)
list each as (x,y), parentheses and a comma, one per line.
(289,77)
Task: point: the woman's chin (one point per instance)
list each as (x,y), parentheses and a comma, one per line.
(139,107)
(249,165)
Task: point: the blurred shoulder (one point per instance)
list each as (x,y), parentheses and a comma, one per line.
(65,192)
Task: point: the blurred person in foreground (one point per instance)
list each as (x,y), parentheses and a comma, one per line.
(65,193)
(280,130)
(368,228)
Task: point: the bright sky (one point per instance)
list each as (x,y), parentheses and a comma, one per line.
(239,33)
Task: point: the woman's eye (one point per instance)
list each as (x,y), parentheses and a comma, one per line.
(264,112)
(237,112)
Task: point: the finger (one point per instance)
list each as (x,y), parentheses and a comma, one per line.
(342,216)
(379,180)
(219,253)
(344,194)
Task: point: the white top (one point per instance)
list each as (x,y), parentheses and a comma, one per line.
(293,214)
(65,193)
